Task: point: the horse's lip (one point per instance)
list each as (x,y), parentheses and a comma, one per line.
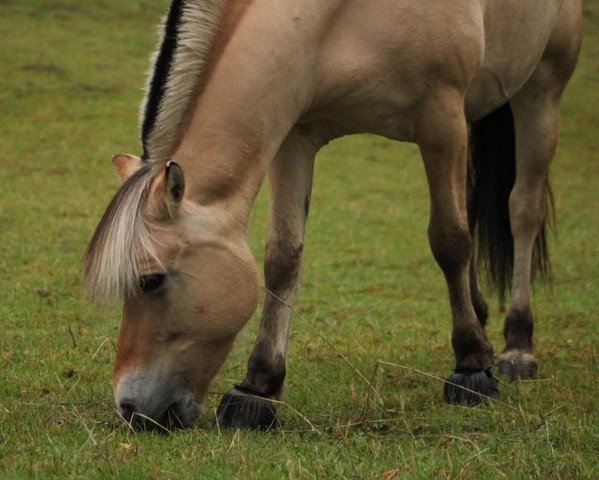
(185,413)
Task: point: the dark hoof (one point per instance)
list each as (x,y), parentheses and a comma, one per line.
(470,387)
(245,408)
(516,365)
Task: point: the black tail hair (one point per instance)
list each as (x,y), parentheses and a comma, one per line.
(491,176)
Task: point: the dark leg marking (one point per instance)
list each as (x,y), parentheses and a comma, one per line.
(518,329)
(281,266)
(290,174)
(266,376)
(250,405)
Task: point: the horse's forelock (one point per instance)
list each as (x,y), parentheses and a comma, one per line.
(111,266)
(122,236)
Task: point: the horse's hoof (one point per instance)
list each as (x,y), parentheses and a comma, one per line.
(470,387)
(245,408)
(516,365)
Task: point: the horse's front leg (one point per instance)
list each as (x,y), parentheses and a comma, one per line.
(443,140)
(248,405)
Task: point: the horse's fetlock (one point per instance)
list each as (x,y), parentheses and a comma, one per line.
(518,329)
(266,375)
(472,349)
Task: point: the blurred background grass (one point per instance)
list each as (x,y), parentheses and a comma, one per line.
(71,82)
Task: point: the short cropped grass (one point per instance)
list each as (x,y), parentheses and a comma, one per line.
(70,86)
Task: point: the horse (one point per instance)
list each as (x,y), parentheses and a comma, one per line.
(239,90)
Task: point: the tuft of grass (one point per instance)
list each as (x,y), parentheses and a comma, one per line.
(371,335)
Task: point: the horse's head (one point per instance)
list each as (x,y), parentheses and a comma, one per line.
(189,284)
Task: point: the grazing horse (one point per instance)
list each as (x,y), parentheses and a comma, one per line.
(241,89)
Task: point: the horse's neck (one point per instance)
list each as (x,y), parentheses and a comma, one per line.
(253,92)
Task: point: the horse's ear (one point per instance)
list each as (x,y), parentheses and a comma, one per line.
(175,187)
(126,165)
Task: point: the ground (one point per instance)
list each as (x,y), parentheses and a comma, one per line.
(71,83)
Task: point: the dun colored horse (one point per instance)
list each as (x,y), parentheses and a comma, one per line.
(241,89)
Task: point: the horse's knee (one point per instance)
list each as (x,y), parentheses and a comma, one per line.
(282,265)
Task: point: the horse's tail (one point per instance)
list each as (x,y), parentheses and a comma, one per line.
(492,173)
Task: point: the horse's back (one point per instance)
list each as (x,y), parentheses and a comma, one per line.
(379,59)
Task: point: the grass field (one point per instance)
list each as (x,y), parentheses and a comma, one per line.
(71,80)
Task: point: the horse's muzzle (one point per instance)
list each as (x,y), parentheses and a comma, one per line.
(179,414)
(145,403)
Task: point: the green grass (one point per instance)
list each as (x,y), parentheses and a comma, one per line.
(71,81)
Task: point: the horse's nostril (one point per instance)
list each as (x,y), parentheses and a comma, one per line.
(127,410)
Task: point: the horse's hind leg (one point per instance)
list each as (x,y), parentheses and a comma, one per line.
(535,110)
(535,124)
(443,140)
(248,405)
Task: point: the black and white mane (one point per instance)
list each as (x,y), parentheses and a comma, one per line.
(188,32)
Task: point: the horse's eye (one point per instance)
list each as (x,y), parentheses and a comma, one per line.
(149,283)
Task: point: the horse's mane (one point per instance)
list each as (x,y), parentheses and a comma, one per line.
(111,265)
(188,32)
